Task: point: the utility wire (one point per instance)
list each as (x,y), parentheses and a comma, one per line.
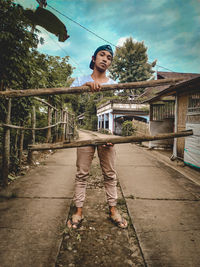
(65,52)
(94,34)
(98,36)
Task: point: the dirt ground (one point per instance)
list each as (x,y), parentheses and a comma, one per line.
(98,242)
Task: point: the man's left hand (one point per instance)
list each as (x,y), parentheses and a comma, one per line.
(108,145)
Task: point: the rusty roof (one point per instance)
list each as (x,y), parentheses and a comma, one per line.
(168,75)
(151,92)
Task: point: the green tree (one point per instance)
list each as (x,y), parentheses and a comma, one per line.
(130,62)
(22,67)
(16,43)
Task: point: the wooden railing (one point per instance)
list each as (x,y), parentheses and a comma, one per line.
(61,120)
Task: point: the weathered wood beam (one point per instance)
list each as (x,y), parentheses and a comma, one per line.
(82,89)
(114,140)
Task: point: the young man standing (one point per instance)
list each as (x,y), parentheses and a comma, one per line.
(101,60)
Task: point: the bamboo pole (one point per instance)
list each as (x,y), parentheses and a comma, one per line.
(113,140)
(16,143)
(33,125)
(67,126)
(56,128)
(6,146)
(64,125)
(48,138)
(82,89)
(21,144)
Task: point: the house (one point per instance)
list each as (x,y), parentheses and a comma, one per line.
(177,108)
(113,113)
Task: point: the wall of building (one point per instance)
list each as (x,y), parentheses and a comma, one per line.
(158,127)
(141,127)
(192,145)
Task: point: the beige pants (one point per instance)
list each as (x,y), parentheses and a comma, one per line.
(107,161)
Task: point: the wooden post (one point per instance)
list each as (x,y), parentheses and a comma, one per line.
(67,126)
(60,127)
(56,129)
(33,125)
(48,138)
(6,146)
(64,125)
(21,143)
(16,143)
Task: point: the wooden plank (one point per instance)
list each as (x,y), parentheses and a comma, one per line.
(83,89)
(115,140)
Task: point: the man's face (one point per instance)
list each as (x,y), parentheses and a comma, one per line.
(103,60)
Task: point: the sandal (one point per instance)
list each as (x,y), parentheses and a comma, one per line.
(75,221)
(118,220)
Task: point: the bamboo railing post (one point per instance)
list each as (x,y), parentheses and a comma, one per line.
(48,138)
(21,144)
(33,125)
(67,126)
(60,126)
(16,143)
(64,125)
(56,129)
(6,145)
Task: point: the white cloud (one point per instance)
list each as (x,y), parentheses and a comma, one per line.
(122,40)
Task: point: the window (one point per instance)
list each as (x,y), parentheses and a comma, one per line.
(194,103)
(163,111)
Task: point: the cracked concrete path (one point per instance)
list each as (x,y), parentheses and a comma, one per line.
(163,204)
(31,222)
(164,207)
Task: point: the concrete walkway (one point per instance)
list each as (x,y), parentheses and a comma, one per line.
(164,207)
(31,223)
(163,204)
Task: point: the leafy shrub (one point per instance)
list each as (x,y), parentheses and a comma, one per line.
(127,128)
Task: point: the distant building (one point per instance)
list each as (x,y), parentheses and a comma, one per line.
(176,108)
(113,113)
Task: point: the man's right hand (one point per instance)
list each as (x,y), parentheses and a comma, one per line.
(94,86)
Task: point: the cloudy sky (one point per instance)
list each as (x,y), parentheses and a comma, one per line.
(169,28)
